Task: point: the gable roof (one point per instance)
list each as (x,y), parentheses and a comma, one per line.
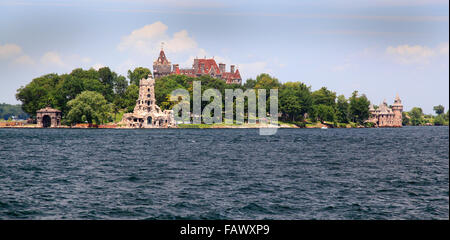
(162,59)
(209,63)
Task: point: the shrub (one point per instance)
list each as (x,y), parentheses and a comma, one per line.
(300,124)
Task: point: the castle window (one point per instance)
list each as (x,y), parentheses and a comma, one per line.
(148,95)
(148,89)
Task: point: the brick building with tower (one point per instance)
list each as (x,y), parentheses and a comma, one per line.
(202,66)
(385,116)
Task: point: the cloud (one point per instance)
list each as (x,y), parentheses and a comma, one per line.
(52,58)
(443,49)
(24,60)
(9,50)
(97,66)
(180,42)
(147,40)
(253,69)
(406,54)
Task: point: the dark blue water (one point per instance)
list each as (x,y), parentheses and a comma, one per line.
(224,174)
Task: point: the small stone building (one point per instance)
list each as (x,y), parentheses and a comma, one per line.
(146,113)
(385,116)
(48,117)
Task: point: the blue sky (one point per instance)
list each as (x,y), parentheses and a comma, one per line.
(377,47)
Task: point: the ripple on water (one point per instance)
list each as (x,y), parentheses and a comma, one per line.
(224,174)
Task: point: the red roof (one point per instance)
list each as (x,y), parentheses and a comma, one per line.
(209,63)
(229,77)
(162,58)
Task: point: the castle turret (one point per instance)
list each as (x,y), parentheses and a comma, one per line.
(397,108)
(161,67)
(146,100)
(147,113)
(371,108)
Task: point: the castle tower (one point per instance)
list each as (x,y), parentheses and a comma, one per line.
(147,113)
(162,66)
(397,108)
(146,101)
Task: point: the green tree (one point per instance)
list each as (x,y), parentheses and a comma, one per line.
(165,85)
(294,100)
(120,85)
(342,109)
(416,116)
(88,106)
(439,120)
(130,97)
(323,113)
(265,81)
(405,119)
(358,107)
(249,84)
(107,78)
(39,93)
(324,96)
(439,109)
(9,110)
(137,74)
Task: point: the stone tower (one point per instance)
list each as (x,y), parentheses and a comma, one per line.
(162,66)
(146,113)
(397,108)
(146,101)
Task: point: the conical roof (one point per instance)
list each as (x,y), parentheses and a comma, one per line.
(162,59)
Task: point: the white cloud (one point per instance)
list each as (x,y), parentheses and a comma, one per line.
(97,66)
(9,50)
(251,70)
(443,49)
(406,54)
(24,60)
(85,60)
(147,40)
(180,42)
(52,58)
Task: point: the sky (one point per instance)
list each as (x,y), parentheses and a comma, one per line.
(378,47)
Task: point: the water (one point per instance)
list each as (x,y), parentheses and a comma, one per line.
(224,174)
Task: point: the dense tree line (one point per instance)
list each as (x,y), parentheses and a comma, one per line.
(81,94)
(58,90)
(416,117)
(9,111)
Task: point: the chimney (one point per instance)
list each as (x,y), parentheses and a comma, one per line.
(222,67)
(195,65)
(232,68)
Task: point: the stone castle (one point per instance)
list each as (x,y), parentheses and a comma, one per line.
(146,113)
(162,67)
(385,116)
